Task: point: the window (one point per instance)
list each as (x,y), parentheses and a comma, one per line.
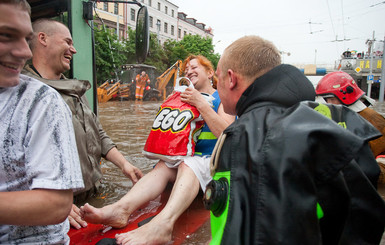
(179,33)
(150,3)
(158,24)
(158,6)
(151,21)
(172,30)
(172,12)
(184,33)
(105,7)
(166,9)
(165,27)
(133,14)
(116,8)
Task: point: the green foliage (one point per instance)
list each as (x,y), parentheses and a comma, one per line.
(129,45)
(111,54)
(157,56)
(174,51)
(195,44)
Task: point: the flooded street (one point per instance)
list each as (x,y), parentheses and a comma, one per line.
(128,123)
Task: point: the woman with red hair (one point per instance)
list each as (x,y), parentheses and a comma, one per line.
(187,175)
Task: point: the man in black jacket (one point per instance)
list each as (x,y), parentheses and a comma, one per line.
(284,173)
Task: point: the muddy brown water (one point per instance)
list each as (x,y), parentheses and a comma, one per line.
(128,123)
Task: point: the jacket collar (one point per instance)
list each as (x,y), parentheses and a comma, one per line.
(64,85)
(284,85)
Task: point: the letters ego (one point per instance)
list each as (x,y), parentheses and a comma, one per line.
(172,119)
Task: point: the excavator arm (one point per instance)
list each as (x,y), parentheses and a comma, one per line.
(171,74)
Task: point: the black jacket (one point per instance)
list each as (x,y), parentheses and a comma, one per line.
(284,158)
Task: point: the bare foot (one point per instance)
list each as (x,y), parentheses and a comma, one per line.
(108,215)
(157,231)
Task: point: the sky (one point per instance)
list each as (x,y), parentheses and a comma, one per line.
(305,31)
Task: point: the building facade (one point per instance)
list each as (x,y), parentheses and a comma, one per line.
(164,19)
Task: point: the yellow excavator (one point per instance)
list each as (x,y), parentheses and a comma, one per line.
(106,91)
(171,74)
(163,87)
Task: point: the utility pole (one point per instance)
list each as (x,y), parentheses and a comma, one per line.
(382,86)
(371,66)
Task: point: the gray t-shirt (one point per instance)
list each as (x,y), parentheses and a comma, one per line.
(37,150)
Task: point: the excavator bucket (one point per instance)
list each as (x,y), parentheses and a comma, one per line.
(171,74)
(106,91)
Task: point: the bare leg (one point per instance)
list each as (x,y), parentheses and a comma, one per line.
(146,189)
(159,229)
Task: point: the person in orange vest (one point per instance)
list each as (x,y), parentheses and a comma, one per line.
(340,88)
(141,81)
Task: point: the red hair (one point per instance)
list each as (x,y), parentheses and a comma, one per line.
(206,63)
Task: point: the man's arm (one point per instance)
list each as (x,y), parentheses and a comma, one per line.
(112,154)
(35,207)
(121,162)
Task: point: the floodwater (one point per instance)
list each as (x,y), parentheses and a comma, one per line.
(128,123)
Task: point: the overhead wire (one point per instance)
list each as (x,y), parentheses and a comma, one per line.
(331,19)
(343,19)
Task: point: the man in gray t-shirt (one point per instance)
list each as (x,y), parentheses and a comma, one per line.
(39,165)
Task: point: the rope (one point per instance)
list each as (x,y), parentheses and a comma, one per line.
(214,158)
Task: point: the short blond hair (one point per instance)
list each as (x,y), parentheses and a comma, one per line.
(22,3)
(48,26)
(251,57)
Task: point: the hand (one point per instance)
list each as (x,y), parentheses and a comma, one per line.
(75,218)
(132,172)
(193,97)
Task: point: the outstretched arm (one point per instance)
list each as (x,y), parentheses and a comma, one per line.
(35,207)
(121,162)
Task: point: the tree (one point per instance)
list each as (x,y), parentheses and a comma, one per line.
(157,56)
(175,51)
(195,44)
(129,47)
(109,54)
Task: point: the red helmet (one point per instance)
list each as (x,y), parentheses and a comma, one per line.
(341,85)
